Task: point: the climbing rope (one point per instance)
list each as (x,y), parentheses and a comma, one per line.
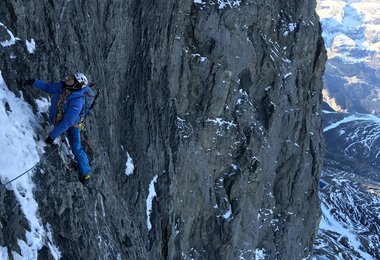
(18,176)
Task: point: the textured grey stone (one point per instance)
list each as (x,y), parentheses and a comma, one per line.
(12,223)
(232,134)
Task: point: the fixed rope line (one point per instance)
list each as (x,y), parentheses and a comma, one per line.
(22,174)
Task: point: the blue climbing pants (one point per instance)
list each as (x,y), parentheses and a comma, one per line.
(73,134)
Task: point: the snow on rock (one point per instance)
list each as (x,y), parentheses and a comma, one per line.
(31,46)
(200,57)
(3,253)
(20,152)
(53,249)
(287,75)
(129,166)
(289,27)
(43,105)
(12,39)
(228,214)
(228,3)
(149,201)
(17,136)
(260,254)
(221,3)
(221,122)
(257,254)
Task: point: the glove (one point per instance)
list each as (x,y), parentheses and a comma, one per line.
(49,140)
(29,82)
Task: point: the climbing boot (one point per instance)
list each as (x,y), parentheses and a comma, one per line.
(85,180)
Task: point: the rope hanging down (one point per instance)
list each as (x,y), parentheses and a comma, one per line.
(50,154)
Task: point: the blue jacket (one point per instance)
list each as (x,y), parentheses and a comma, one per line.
(72,108)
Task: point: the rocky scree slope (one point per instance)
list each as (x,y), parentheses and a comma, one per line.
(218,104)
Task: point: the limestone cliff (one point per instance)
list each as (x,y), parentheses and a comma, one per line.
(217,102)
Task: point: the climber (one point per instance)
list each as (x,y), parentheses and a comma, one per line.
(67,102)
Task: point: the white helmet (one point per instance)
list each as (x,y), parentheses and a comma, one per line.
(81,78)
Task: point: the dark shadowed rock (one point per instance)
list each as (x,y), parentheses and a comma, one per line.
(13,224)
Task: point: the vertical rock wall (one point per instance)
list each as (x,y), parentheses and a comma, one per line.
(221,103)
(246,85)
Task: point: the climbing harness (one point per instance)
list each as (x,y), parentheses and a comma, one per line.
(50,154)
(60,106)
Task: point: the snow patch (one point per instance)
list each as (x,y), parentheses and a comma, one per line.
(129,167)
(221,3)
(201,58)
(30,46)
(53,248)
(260,254)
(20,152)
(12,39)
(257,254)
(43,105)
(292,26)
(228,214)
(351,118)
(149,202)
(3,253)
(287,76)
(221,122)
(228,3)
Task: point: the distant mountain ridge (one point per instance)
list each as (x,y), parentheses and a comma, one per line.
(353,140)
(350,188)
(350,224)
(351,30)
(350,179)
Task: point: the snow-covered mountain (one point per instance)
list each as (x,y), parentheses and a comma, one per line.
(350,180)
(350,188)
(354,141)
(350,223)
(351,30)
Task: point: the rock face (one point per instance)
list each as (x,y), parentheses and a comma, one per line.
(216,102)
